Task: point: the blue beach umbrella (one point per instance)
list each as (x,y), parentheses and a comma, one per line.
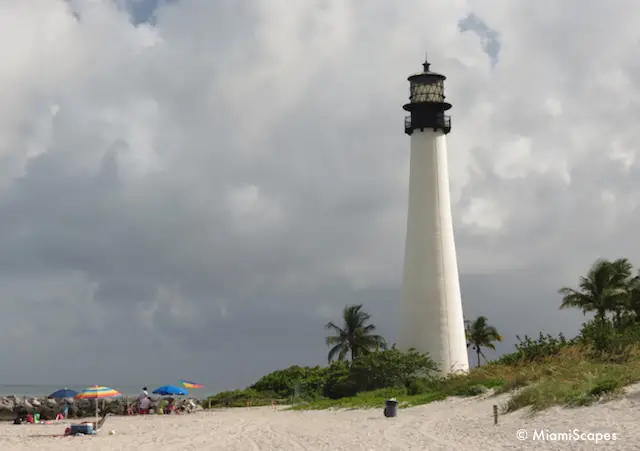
(170,390)
(63,393)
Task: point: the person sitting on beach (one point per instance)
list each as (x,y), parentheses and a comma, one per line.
(145,405)
(171,407)
(62,415)
(143,394)
(162,407)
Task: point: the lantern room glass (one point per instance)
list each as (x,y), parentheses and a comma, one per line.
(432,91)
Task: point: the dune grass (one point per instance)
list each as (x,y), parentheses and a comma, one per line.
(372,399)
(571,378)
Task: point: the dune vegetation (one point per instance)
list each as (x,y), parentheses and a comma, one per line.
(544,371)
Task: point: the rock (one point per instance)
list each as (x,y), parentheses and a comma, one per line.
(74,411)
(26,406)
(6,409)
(7,403)
(11,406)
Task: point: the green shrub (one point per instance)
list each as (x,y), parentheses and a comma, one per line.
(518,381)
(472,384)
(390,368)
(530,350)
(472,390)
(606,386)
(610,343)
(384,393)
(310,380)
(377,370)
(419,386)
(232,398)
(339,382)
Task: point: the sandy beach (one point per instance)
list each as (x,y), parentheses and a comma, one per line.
(457,423)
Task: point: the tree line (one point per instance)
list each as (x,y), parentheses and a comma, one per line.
(610,290)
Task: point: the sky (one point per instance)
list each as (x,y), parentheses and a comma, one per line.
(191,189)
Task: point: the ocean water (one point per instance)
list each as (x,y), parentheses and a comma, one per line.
(46,390)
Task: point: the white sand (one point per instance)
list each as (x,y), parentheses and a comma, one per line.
(455,424)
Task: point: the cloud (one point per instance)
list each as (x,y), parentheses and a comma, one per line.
(208,183)
(490,38)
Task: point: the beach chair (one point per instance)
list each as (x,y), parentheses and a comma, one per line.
(100,423)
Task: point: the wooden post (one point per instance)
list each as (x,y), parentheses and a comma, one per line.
(495,414)
(209,403)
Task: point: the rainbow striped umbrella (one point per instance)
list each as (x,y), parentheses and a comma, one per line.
(191,384)
(97,392)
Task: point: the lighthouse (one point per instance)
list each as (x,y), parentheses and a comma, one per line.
(432,319)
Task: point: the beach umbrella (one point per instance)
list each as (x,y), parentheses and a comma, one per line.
(191,384)
(63,393)
(97,392)
(170,390)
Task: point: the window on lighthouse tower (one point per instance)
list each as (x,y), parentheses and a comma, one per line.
(427,92)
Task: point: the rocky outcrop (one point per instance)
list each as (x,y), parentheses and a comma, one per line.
(13,406)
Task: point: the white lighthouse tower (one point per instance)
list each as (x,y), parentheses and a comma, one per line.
(432,318)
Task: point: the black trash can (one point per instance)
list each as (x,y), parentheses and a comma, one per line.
(391,408)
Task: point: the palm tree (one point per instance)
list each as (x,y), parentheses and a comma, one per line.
(355,336)
(633,298)
(622,268)
(604,289)
(481,335)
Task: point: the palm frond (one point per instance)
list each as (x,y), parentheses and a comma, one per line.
(369,328)
(344,350)
(332,353)
(331,325)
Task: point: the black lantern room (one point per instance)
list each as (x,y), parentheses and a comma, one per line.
(426,103)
